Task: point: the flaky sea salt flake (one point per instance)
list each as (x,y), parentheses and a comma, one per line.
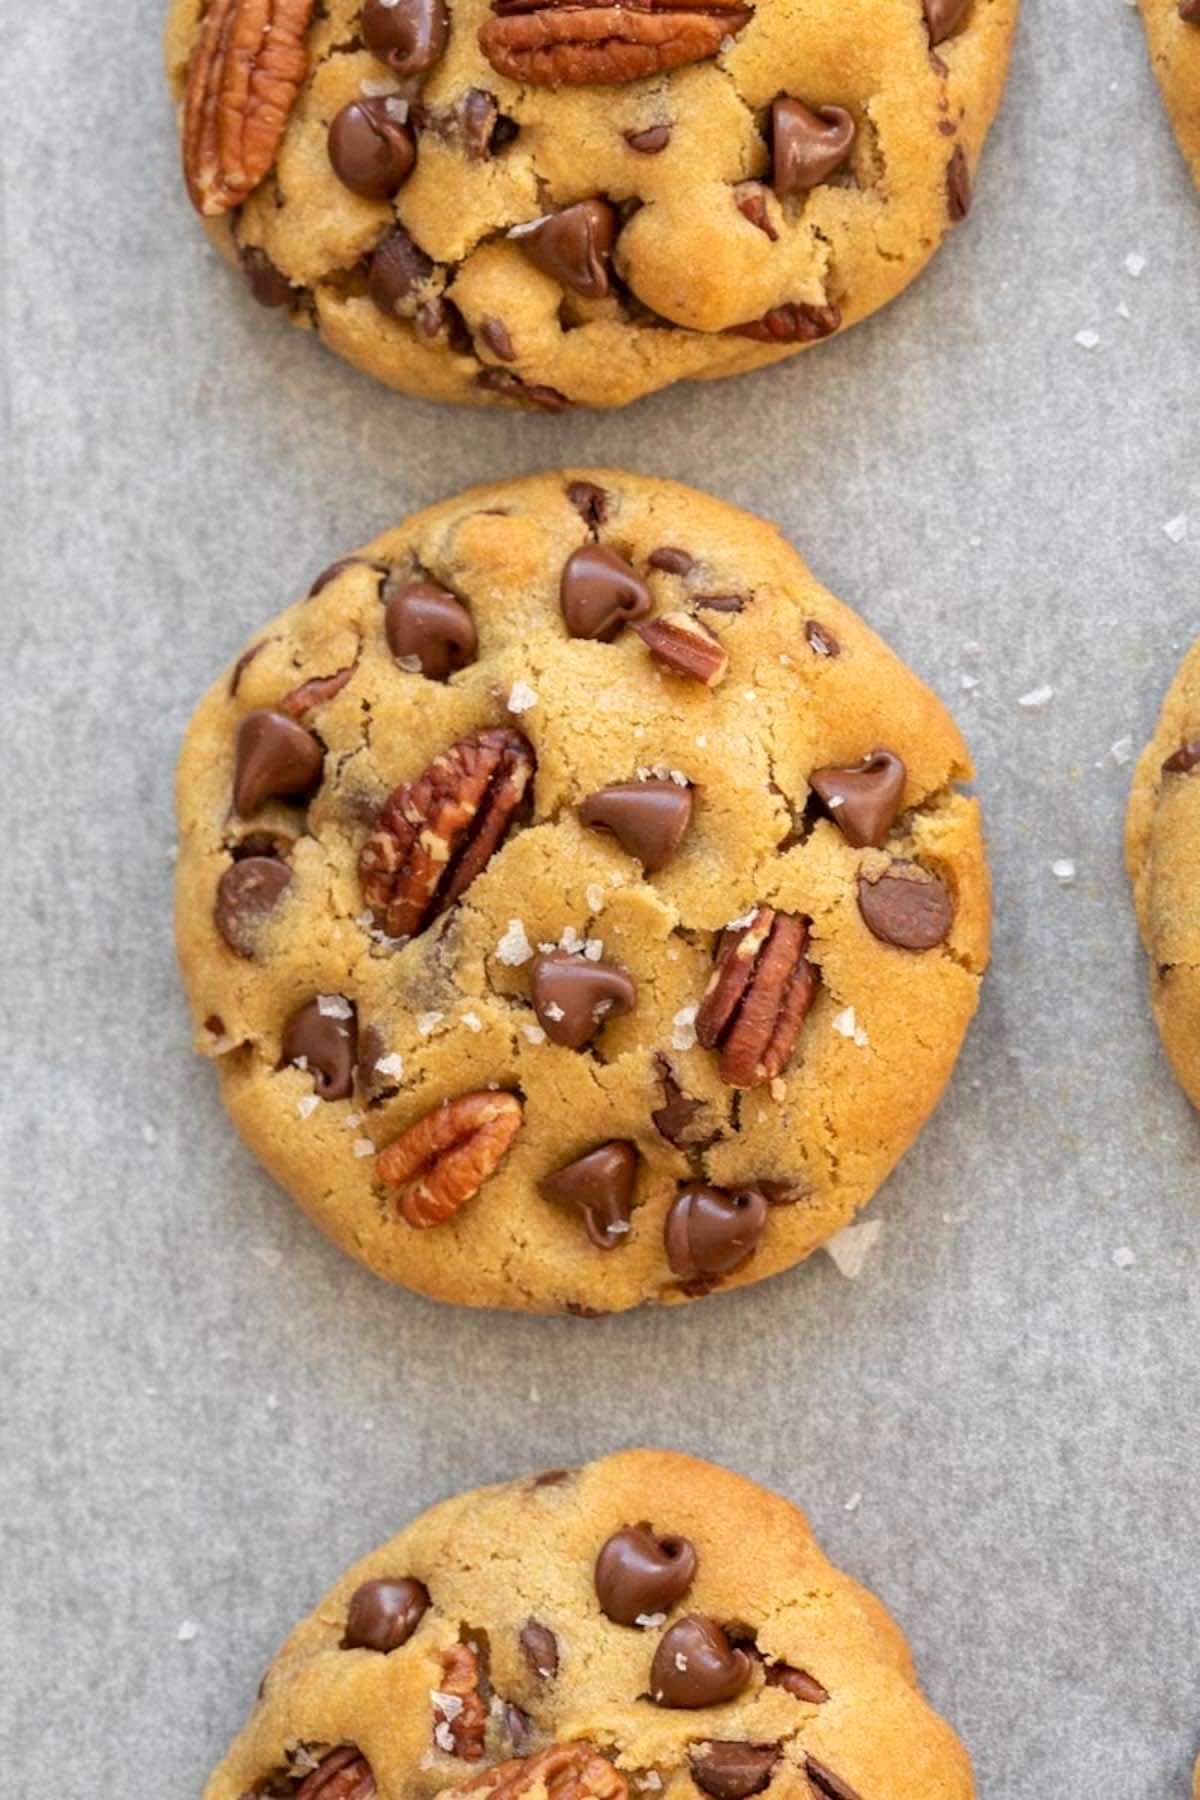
(1135,262)
(428,1022)
(392,1064)
(1036,698)
(1177,528)
(683,1028)
(1088,340)
(595,897)
(850,1247)
(1063,869)
(651,1621)
(521,697)
(363,1147)
(847,1026)
(514,947)
(188,1631)
(533,1034)
(334,1006)
(472,1021)
(1123,1257)
(307,1106)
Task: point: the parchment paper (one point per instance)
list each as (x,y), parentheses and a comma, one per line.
(207,1411)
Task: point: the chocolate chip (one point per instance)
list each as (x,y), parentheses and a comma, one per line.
(384,1614)
(807,145)
(601,1184)
(523,393)
(246,894)
(589,501)
(274,757)
(673,1119)
(573,246)
(826,1784)
(329,575)
(398,269)
(711,1230)
(958,185)
(427,622)
(371,146)
(651,140)
(408,35)
(821,640)
(495,335)
(539,1647)
(1189,11)
(722,603)
(733,1771)
(552,1477)
(599,592)
(328,1046)
(797,1682)
(241,665)
(640,1575)
(573,997)
(519,1727)
(907,907)
(506,131)
(269,285)
(864,801)
(647,818)
(941,16)
(1185,759)
(695,1665)
(671,560)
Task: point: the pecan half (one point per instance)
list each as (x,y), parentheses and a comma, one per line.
(344,1774)
(459,1713)
(573,45)
(243,80)
(565,1771)
(444,1159)
(757,997)
(685,647)
(434,835)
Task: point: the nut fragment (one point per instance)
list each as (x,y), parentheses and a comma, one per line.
(460,1727)
(437,833)
(580,45)
(439,1163)
(685,647)
(345,1774)
(563,1772)
(245,73)
(757,998)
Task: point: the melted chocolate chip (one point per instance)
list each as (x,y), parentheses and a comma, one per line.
(601,1185)
(821,640)
(398,270)
(864,801)
(826,1784)
(733,1771)
(695,1665)
(958,185)
(371,146)
(906,907)
(573,998)
(539,1647)
(941,17)
(673,1119)
(573,247)
(1187,757)
(752,204)
(242,664)
(339,568)
(647,818)
(807,145)
(246,895)
(519,1727)
(599,592)
(651,140)
(269,285)
(671,560)
(640,1575)
(496,337)
(429,623)
(711,1230)
(721,603)
(328,1046)
(274,758)
(384,1614)
(589,501)
(408,35)
(797,1682)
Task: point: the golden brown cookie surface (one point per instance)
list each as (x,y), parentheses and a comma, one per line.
(576,899)
(1173,34)
(546,204)
(1162,849)
(549,1639)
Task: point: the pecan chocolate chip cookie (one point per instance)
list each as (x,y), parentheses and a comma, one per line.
(542,203)
(545,970)
(1173,34)
(1162,854)
(547,1640)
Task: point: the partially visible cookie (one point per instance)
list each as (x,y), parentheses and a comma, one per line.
(531,203)
(576,900)
(1162,851)
(1173,32)
(647,1627)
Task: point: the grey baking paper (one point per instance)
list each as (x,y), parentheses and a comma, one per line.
(207,1412)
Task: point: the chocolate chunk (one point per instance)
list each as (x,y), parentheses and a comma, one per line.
(825,1783)
(496,336)
(711,1230)
(1187,757)
(425,621)
(673,1119)
(639,1575)
(573,997)
(671,560)
(539,1647)
(384,1614)
(573,246)
(269,285)
(328,1046)
(807,145)
(821,640)
(864,801)
(651,140)
(408,35)
(907,907)
(941,17)
(601,1185)
(647,818)
(733,1771)
(246,894)
(274,757)
(398,269)
(797,1682)
(958,185)
(371,146)
(599,592)
(695,1665)
(589,501)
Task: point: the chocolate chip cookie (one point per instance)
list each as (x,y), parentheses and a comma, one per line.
(553,202)
(576,900)
(1162,853)
(643,1626)
(1173,34)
